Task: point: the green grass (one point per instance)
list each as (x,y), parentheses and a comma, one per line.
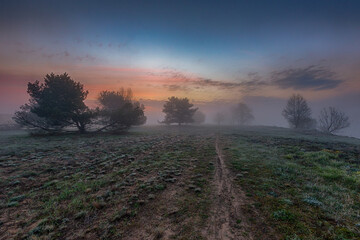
(308,189)
(305,184)
(70,184)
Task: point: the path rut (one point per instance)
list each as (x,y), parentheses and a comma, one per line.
(227,220)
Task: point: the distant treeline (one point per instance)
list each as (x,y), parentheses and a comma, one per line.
(57,105)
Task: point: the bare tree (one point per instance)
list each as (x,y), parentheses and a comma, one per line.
(297,112)
(219,118)
(332,120)
(242,114)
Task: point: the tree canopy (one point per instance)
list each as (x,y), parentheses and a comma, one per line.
(55,104)
(178,110)
(119,111)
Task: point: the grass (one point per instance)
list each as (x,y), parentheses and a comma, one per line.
(96,186)
(308,189)
(159,179)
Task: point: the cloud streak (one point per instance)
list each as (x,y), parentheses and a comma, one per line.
(246,85)
(310,78)
(253,82)
(175,87)
(315,78)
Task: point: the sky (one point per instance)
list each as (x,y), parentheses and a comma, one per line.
(215,53)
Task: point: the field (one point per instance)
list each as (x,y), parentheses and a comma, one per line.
(180,183)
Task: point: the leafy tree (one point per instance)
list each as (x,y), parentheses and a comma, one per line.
(332,120)
(119,111)
(83,118)
(297,112)
(55,104)
(199,117)
(178,110)
(242,114)
(26,118)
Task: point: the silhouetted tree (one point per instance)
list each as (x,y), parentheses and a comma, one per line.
(178,110)
(119,111)
(219,118)
(242,114)
(332,120)
(55,104)
(297,112)
(199,117)
(83,118)
(26,118)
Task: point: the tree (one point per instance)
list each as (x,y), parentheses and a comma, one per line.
(119,111)
(55,104)
(83,118)
(26,118)
(242,114)
(297,112)
(199,117)
(178,110)
(332,120)
(219,118)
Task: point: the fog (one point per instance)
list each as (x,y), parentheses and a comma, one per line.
(266,110)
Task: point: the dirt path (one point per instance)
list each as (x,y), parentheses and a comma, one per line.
(227,220)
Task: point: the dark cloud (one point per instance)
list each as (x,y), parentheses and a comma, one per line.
(245,85)
(56,55)
(175,87)
(313,77)
(203,82)
(310,78)
(66,54)
(59,54)
(171,74)
(251,83)
(87,57)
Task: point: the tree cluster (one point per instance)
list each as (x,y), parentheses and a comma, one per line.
(58,104)
(298,114)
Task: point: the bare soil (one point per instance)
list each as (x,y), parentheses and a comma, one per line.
(232,209)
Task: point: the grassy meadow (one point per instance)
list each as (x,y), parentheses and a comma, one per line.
(158,183)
